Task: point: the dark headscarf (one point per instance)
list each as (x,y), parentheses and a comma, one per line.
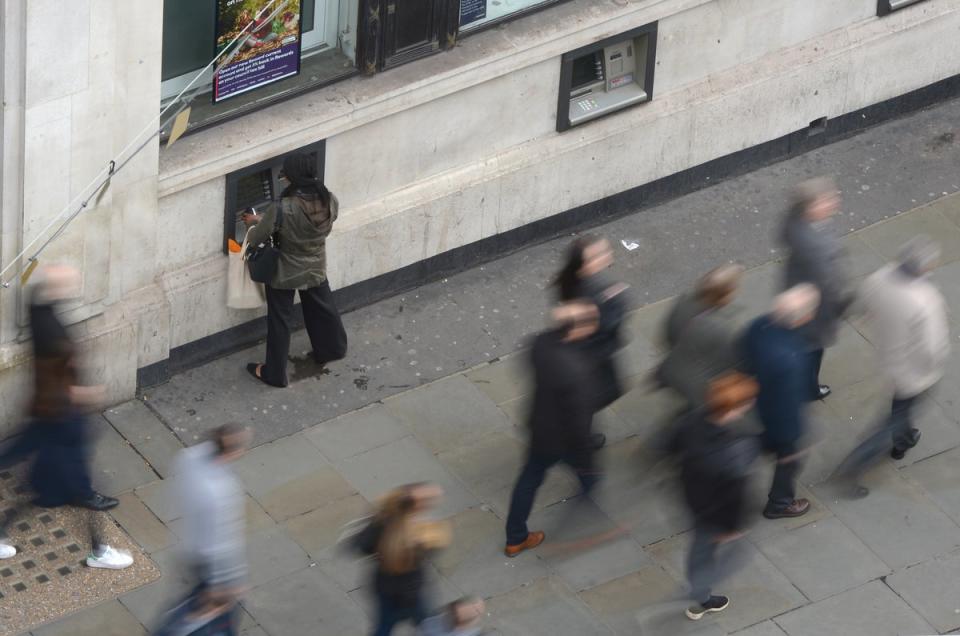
(300,169)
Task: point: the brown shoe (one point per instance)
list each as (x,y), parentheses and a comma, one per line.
(798,508)
(533,540)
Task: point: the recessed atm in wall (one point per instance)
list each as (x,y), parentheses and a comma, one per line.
(607,76)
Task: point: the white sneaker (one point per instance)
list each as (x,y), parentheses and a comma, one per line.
(7,551)
(110,559)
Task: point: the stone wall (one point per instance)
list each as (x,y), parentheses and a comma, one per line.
(425,158)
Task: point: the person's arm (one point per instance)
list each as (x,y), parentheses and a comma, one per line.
(263,229)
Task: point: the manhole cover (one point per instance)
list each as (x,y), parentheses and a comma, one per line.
(49,578)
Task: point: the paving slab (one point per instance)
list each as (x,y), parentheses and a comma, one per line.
(766,628)
(148,435)
(851,359)
(898,522)
(504,379)
(620,603)
(273,554)
(107,619)
(475,563)
(647,322)
(305,602)
(318,530)
(939,477)
(448,414)
(584,546)
(861,259)
(647,412)
(930,588)
(544,607)
(870,610)
(115,466)
(757,592)
(888,237)
(305,493)
(141,524)
(150,602)
(405,461)
(762,529)
(272,465)
(356,432)
(823,558)
(159,496)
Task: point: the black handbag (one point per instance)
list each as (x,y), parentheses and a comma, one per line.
(263,259)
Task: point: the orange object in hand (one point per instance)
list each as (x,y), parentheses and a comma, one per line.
(233,246)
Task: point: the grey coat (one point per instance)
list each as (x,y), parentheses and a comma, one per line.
(303,239)
(703,346)
(817,257)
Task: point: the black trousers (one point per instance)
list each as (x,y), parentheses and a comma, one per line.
(525,490)
(816,360)
(321,319)
(783,490)
(895,431)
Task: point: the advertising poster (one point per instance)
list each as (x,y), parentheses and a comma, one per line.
(472,10)
(267,52)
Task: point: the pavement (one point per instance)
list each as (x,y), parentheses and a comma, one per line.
(435,388)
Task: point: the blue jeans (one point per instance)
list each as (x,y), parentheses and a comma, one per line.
(390,613)
(178,622)
(709,562)
(525,490)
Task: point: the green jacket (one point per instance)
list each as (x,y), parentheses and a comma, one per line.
(303,239)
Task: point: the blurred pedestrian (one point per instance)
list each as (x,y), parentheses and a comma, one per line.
(459,618)
(302,219)
(776,353)
(702,340)
(908,319)
(715,465)
(816,256)
(560,418)
(57,435)
(212,504)
(401,540)
(584,275)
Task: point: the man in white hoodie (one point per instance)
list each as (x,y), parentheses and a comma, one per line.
(907,317)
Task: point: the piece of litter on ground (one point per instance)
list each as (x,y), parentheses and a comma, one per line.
(630,245)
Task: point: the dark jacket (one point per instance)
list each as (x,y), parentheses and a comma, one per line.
(703,347)
(817,257)
(562,411)
(303,239)
(55,364)
(403,589)
(683,310)
(714,469)
(778,358)
(612,302)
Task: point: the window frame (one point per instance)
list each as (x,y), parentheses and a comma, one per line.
(273,164)
(492,24)
(566,72)
(885,7)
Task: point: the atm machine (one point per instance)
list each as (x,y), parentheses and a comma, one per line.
(606,77)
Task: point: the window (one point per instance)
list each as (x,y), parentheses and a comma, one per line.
(886,6)
(477,14)
(257,186)
(607,76)
(328,52)
(413,29)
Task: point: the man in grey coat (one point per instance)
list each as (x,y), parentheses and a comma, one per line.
(816,257)
(907,317)
(701,339)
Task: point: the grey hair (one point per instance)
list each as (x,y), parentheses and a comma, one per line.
(804,194)
(919,255)
(793,305)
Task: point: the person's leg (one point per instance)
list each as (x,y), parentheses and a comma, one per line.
(783,490)
(816,361)
(700,564)
(904,435)
(279,317)
(328,338)
(521,501)
(387,616)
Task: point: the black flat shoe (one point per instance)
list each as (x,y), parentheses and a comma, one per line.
(98,502)
(822,392)
(252,370)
